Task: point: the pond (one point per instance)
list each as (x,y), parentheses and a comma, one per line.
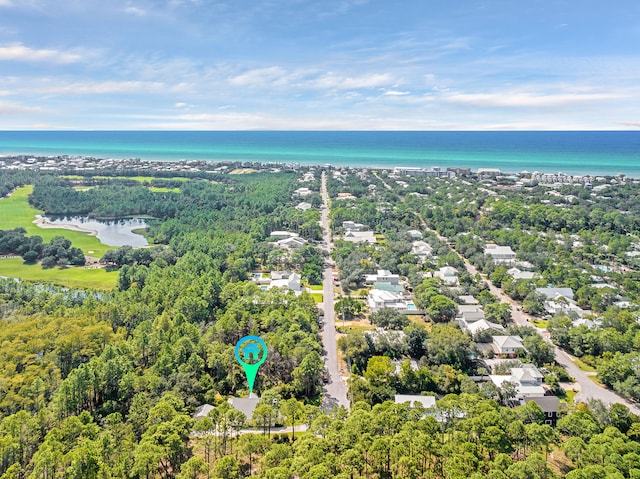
(112,233)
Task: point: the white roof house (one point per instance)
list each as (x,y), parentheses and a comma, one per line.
(414,234)
(527,381)
(303,206)
(473,327)
(293,242)
(283,234)
(500,254)
(421,249)
(448,275)
(555,293)
(303,192)
(290,281)
(470,312)
(352,226)
(360,237)
(515,273)
(378,299)
(427,402)
(382,276)
(507,344)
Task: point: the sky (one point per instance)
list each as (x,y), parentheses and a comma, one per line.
(320,64)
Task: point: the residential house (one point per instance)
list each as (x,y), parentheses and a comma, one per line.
(414,234)
(448,275)
(303,206)
(203,411)
(468,299)
(527,381)
(555,293)
(426,402)
(303,192)
(515,273)
(291,243)
(422,250)
(287,280)
(283,234)
(360,237)
(245,405)
(549,405)
(507,345)
(500,254)
(383,276)
(474,327)
(470,312)
(379,299)
(352,226)
(559,300)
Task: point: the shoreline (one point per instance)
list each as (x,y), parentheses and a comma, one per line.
(42,222)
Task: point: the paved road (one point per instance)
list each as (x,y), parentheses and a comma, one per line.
(335,390)
(588,388)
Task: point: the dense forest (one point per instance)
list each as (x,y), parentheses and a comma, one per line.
(105,384)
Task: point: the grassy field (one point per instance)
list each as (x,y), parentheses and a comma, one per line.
(541,323)
(318,297)
(583,366)
(139,179)
(16,211)
(70,277)
(163,189)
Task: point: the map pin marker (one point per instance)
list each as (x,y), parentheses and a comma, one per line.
(251,352)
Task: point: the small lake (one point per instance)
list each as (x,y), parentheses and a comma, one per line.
(111,233)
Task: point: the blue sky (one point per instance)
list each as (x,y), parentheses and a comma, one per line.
(321,64)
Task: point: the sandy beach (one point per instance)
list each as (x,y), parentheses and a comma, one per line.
(42,222)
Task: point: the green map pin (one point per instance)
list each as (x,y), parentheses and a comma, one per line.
(251,352)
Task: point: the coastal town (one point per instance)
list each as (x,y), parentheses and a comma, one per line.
(519,288)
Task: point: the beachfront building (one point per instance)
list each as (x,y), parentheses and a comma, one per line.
(435,172)
(500,254)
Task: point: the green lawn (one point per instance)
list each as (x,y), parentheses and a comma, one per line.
(163,189)
(583,366)
(95,278)
(317,297)
(541,323)
(316,287)
(16,211)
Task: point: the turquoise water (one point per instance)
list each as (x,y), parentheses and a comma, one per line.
(575,152)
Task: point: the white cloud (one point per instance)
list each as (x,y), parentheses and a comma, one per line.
(9,108)
(181,105)
(137,11)
(333,81)
(634,124)
(259,76)
(19,52)
(5,3)
(526,99)
(106,87)
(396,93)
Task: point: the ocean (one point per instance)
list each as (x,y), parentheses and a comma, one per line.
(571,152)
